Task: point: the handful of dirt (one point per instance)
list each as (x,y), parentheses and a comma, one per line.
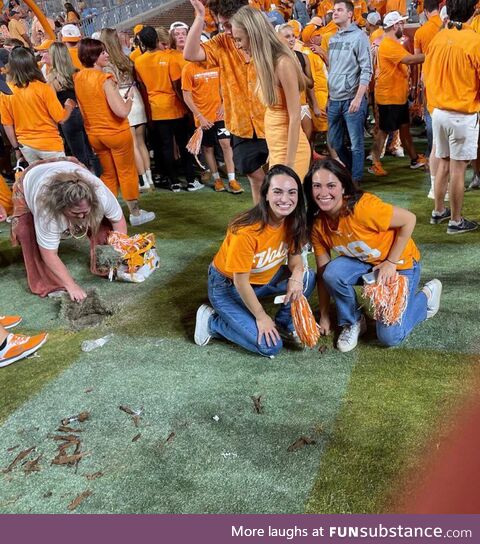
(107,258)
(88,313)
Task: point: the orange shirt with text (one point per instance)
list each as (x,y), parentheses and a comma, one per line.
(204,84)
(244,113)
(261,253)
(364,234)
(159,70)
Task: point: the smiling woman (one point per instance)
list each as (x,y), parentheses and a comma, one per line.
(250,265)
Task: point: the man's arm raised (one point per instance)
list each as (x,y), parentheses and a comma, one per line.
(193,51)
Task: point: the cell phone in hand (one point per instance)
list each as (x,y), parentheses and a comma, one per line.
(370,278)
(128,90)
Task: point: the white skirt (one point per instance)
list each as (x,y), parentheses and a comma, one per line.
(137,115)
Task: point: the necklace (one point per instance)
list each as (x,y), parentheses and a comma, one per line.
(77,231)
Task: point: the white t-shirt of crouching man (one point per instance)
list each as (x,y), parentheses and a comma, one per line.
(48,231)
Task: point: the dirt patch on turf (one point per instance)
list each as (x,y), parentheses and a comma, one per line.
(88,313)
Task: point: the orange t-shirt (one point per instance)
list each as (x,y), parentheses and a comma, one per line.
(135,54)
(204,84)
(17,30)
(327,36)
(364,234)
(391,85)
(379,5)
(476,24)
(324,7)
(98,117)
(74,56)
(244,113)
(397,5)
(425,34)
(262,5)
(376,34)
(72,18)
(178,56)
(158,70)
(35,111)
(359,8)
(261,253)
(452,68)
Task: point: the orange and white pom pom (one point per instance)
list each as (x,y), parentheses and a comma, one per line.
(388,301)
(305,325)
(194,145)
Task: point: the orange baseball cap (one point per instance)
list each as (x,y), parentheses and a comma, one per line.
(137,29)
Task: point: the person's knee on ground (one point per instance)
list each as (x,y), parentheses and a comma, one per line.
(390,336)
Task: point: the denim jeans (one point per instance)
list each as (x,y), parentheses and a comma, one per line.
(340,276)
(339,121)
(429,129)
(234,321)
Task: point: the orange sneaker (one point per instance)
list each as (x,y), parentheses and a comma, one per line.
(19,347)
(10,321)
(377,169)
(219,186)
(420,162)
(235,187)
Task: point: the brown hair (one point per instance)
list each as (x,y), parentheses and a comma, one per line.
(89,50)
(22,67)
(118,59)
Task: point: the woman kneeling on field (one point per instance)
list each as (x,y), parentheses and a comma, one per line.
(368,235)
(55,200)
(250,266)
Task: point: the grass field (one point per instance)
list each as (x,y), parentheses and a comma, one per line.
(200,447)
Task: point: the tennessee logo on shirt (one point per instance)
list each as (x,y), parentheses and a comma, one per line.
(270,258)
(206,75)
(359,250)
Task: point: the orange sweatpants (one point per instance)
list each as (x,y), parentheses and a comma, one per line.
(117,158)
(5,196)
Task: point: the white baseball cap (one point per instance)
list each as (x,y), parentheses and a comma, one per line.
(71,33)
(374,18)
(178,24)
(392,18)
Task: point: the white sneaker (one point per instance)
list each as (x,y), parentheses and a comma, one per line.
(348,338)
(433,292)
(398,153)
(202,333)
(431,195)
(144,217)
(195,185)
(475,183)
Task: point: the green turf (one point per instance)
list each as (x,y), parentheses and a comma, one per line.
(371,412)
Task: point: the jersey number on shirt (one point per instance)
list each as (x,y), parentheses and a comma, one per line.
(359,250)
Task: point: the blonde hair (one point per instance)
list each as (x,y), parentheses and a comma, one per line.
(62,66)
(66,190)
(266,49)
(163,35)
(118,59)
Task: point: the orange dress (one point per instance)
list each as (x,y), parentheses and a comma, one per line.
(276,134)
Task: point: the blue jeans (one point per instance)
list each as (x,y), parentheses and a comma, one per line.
(340,121)
(341,274)
(234,321)
(429,129)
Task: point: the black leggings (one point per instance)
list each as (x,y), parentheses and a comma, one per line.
(163,133)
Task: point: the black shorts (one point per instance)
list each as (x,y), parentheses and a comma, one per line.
(215,133)
(249,154)
(391,117)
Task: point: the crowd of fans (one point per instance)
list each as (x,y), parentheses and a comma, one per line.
(256,83)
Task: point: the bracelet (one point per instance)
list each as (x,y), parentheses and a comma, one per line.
(392,262)
(296,281)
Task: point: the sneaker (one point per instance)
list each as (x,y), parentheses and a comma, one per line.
(475,183)
(398,153)
(9,321)
(194,185)
(431,195)
(377,169)
(437,218)
(202,333)
(144,217)
(175,187)
(289,337)
(433,292)
(219,186)
(162,182)
(235,187)
(348,338)
(464,225)
(19,347)
(419,162)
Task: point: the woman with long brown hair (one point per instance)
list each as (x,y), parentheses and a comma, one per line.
(105,115)
(123,71)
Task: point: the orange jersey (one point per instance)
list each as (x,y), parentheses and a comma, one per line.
(244,113)
(391,84)
(158,71)
(364,234)
(452,68)
(204,84)
(98,117)
(35,112)
(74,56)
(210,23)
(425,34)
(261,253)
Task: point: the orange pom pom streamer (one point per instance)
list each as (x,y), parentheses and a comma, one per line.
(194,145)
(388,301)
(307,328)
(132,248)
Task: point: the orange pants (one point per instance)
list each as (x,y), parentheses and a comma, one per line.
(115,152)
(5,196)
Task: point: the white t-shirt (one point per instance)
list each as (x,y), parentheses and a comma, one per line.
(47,230)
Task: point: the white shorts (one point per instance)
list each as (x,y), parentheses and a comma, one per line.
(455,135)
(30,154)
(305,111)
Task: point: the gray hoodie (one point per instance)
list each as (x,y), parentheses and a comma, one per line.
(350,63)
